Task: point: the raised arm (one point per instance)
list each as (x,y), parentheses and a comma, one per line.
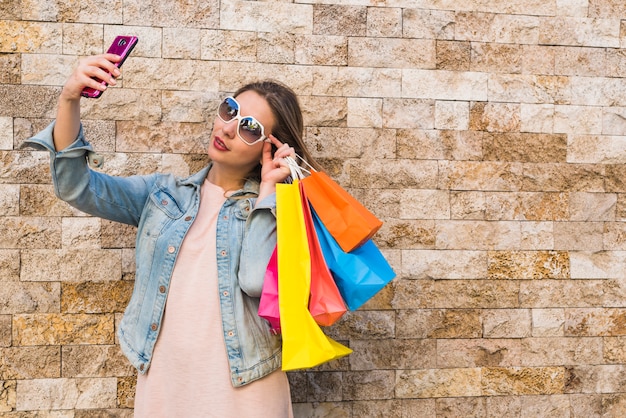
(68,111)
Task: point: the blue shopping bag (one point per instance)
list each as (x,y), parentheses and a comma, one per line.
(360,273)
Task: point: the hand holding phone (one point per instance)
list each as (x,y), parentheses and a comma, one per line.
(122,46)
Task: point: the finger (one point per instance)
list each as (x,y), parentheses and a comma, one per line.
(266,157)
(275,141)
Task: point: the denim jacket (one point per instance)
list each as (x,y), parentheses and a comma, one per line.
(163,207)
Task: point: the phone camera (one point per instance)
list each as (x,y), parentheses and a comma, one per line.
(121,42)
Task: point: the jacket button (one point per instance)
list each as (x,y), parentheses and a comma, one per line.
(223,252)
(187,218)
(141,367)
(164,202)
(171,249)
(230,333)
(225,293)
(153,327)
(162,289)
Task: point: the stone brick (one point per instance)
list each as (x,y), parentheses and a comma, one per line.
(352,143)
(321,50)
(126,391)
(46,394)
(329,19)
(496,58)
(560,293)
(385,22)
(16,297)
(323,409)
(71,266)
(594,379)
(5,330)
(406,234)
(494,117)
(444,85)
(384,408)
(30,363)
(364,324)
(55,329)
(393,354)
(453,55)
(579,61)
(497,381)
(39,200)
(90,297)
(24,232)
(428,24)
(10,67)
(370,385)
(7,395)
(150,13)
(95,361)
(278,48)
(548,322)
(229,46)
(438,383)
(528,265)
(538,148)
(165,137)
(484,175)
(586,322)
(185,43)
(46,69)
(391,53)
(30,37)
(470,353)
(503,323)
(548,351)
(543,177)
(575,31)
(438,323)
(358,81)
(400,174)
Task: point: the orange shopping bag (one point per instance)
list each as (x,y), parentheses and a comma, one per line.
(347,220)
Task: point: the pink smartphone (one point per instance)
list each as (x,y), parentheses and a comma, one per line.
(122,46)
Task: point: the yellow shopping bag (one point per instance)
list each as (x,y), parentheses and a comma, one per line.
(304,343)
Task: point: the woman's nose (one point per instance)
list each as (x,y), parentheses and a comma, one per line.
(230,128)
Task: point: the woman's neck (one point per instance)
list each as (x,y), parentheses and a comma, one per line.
(229,181)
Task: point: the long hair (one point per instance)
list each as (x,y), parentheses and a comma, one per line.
(289,125)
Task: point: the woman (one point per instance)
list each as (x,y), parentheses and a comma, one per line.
(191,327)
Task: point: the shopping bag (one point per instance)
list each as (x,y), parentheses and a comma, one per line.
(347,220)
(304,343)
(325,303)
(268,305)
(360,273)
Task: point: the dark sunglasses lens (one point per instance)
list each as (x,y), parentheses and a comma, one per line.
(250,130)
(228,109)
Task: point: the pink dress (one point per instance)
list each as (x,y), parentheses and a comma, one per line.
(189,375)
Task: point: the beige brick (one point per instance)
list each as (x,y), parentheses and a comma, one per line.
(548,351)
(186,43)
(55,329)
(95,361)
(71,266)
(494,117)
(453,55)
(585,322)
(438,383)
(164,137)
(228,46)
(369,385)
(601,379)
(23,232)
(6,133)
(428,24)
(478,235)
(264,17)
(393,354)
(81,39)
(278,48)
(575,31)
(538,59)
(19,297)
(329,19)
(424,204)
(321,50)
(380,174)
(409,114)
(452,115)
(358,81)
(39,200)
(231,77)
(151,13)
(7,395)
(469,353)
(503,323)
(30,37)
(444,85)
(324,409)
(487,175)
(365,113)
(468,205)
(5,330)
(564,177)
(438,323)
(528,265)
(391,53)
(386,408)
(404,234)
(90,297)
(577,119)
(522,206)
(505,146)
(384,21)
(537,118)
(9,200)
(10,68)
(455,294)
(322,112)
(496,58)
(579,236)
(30,363)
(364,324)
(537,235)
(354,143)
(560,293)
(548,322)
(580,61)
(534,89)
(45,394)
(523,381)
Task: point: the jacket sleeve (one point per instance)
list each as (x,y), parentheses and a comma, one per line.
(118,199)
(257,247)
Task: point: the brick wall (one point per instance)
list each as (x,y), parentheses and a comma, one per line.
(488,135)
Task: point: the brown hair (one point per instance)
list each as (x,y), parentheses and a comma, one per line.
(289,125)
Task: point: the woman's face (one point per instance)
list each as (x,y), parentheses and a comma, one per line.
(227,148)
